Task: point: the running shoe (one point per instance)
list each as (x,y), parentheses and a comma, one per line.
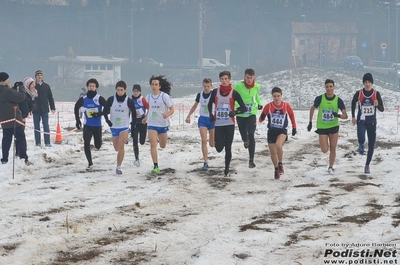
(48,145)
(155,170)
(28,163)
(137,163)
(251,164)
(205,167)
(118,171)
(330,170)
(280,169)
(276,174)
(226,174)
(361,149)
(366,170)
(89,168)
(246,144)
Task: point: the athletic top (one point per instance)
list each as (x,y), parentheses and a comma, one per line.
(251,98)
(158,105)
(366,107)
(90,106)
(203,99)
(223,105)
(365,100)
(326,106)
(277,115)
(120,113)
(141,106)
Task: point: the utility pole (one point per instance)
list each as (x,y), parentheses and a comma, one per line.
(131,35)
(201,33)
(388,30)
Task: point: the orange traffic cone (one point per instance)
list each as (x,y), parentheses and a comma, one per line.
(58,135)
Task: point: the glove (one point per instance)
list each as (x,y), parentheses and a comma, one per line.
(78,124)
(18,84)
(309,126)
(212,117)
(294,131)
(232,113)
(109,123)
(260,107)
(335,114)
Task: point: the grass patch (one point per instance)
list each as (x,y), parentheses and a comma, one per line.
(134,257)
(10,247)
(352,186)
(361,218)
(241,255)
(296,236)
(324,200)
(396,221)
(307,185)
(75,257)
(269,218)
(373,204)
(254,226)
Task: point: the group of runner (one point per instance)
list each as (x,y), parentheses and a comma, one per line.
(137,113)
(219,110)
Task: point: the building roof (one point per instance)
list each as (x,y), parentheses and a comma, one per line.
(324,28)
(109,59)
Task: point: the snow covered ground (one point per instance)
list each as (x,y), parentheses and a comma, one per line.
(55,212)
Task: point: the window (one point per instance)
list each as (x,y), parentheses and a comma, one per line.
(88,67)
(95,67)
(102,67)
(109,67)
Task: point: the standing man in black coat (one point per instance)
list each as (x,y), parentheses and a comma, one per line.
(44,99)
(9,99)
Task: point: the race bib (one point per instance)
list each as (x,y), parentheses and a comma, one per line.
(89,112)
(368,110)
(277,120)
(205,109)
(327,115)
(222,113)
(249,108)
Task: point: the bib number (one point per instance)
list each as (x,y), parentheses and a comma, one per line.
(368,110)
(222,113)
(327,116)
(277,120)
(249,108)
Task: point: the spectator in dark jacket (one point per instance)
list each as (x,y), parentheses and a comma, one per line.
(44,99)
(9,99)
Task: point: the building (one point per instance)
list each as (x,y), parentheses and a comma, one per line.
(322,42)
(76,70)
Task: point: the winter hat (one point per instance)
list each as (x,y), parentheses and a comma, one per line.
(38,72)
(3,76)
(137,87)
(27,81)
(368,77)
